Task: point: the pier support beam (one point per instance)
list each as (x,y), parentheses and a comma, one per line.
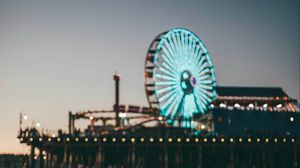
(32,161)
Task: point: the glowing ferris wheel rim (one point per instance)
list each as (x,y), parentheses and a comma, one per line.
(179,75)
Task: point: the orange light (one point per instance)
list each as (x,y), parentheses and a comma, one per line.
(291,107)
(106,132)
(270,109)
(277,98)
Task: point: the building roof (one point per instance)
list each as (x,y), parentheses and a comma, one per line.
(250,91)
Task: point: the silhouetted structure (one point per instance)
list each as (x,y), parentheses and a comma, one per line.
(233,136)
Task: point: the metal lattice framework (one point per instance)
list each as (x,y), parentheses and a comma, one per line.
(179,75)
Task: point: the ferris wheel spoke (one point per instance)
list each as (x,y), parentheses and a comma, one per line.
(171,50)
(206,82)
(203,99)
(165,68)
(195,50)
(172,109)
(200,61)
(168,95)
(165,77)
(167,72)
(191,45)
(167,60)
(202,78)
(175,71)
(172,97)
(192,51)
(199,54)
(169,56)
(181,49)
(194,57)
(189,53)
(178,103)
(204,96)
(165,89)
(170,53)
(182,46)
(200,69)
(203,72)
(176,42)
(176,48)
(166,106)
(206,99)
(167,103)
(170,41)
(165,55)
(205,92)
(185,44)
(206,87)
(164,83)
(200,103)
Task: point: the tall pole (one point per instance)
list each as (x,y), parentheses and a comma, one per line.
(71,127)
(21,117)
(116,107)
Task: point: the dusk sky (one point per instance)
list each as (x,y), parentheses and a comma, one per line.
(57,56)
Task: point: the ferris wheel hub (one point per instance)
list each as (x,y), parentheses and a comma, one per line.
(187,82)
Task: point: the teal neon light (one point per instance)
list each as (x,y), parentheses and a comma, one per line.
(184,76)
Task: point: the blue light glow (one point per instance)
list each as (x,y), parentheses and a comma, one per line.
(184,76)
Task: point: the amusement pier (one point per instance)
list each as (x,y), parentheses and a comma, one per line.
(191,121)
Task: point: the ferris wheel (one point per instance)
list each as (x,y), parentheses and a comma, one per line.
(179,75)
